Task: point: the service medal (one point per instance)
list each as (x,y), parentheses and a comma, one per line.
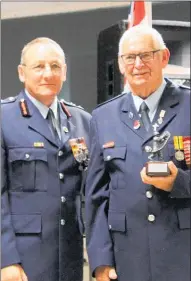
(136,124)
(160,120)
(186,144)
(80,151)
(179,155)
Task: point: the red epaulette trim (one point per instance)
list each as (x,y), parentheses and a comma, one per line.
(66,111)
(24,108)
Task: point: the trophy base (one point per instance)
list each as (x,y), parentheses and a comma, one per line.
(157,169)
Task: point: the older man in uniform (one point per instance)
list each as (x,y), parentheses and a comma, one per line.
(41,174)
(138,225)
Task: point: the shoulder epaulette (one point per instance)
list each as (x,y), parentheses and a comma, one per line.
(71,104)
(9,100)
(107,101)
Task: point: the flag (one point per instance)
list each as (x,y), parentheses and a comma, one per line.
(140,13)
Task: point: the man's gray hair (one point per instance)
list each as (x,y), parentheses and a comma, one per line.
(140,30)
(44,40)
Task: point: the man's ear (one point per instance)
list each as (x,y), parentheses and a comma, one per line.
(121,66)
(64,71)
(165,57)
(21,73)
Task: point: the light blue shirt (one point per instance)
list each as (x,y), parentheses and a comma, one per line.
(152,101)
(43,109)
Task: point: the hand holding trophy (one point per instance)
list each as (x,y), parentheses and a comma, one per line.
(157,168)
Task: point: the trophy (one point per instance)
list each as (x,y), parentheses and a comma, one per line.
(157,168)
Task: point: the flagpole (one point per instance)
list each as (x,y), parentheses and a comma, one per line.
(148,8)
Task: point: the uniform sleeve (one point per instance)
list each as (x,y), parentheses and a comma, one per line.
(99,244)
(181,188)
(9,253)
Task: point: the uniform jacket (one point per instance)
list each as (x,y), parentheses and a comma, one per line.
(41,213)
(144,235)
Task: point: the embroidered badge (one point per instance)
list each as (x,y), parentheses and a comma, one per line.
(38,144)
(109,144)
(80,152)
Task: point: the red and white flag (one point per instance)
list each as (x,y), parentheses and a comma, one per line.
(141,13)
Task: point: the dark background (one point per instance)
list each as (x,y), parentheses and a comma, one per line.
(78,34)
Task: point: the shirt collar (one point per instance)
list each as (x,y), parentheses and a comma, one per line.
(152,101)
(43,108)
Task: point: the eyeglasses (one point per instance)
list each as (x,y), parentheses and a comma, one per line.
(41,67)
(145,57)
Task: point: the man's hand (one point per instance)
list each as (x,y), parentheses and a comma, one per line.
(164,183)
(13,273)
(105,273)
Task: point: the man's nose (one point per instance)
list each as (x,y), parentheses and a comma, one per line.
(47,71)
(138,62)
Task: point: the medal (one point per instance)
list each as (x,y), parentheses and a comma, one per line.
(160,120)
(175,140)
(179,155)
(80,151)
(178,146)
(186,145)
(162,113)
(136,124)
(131,115)
(155,126)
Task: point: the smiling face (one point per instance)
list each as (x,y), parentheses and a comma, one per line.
(143,77)
(43,71)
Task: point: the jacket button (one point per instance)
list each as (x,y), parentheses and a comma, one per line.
(63,199)
(149,194)
(27,156)
(108,157)
(65,129)
(60,153)
(61,176)
(151,218)
(62,222)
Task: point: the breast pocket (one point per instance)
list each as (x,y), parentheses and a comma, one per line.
(115,161)
(28,169)
(184,217)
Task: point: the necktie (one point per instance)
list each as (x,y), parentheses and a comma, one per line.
(51,122)
(144,115)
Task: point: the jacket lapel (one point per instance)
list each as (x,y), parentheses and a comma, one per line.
(129,116)
(169,103)
(36,121)
(67,128)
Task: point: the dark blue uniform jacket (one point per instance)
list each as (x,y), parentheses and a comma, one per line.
(41,213)
(145,236)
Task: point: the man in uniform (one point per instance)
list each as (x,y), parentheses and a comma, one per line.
(41,178)
(138,226)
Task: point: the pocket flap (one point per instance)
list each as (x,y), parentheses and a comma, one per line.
(27,223)
(184,216)
(27,154)
(116,152)
(116,221)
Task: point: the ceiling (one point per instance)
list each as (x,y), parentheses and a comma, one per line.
(15,9)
